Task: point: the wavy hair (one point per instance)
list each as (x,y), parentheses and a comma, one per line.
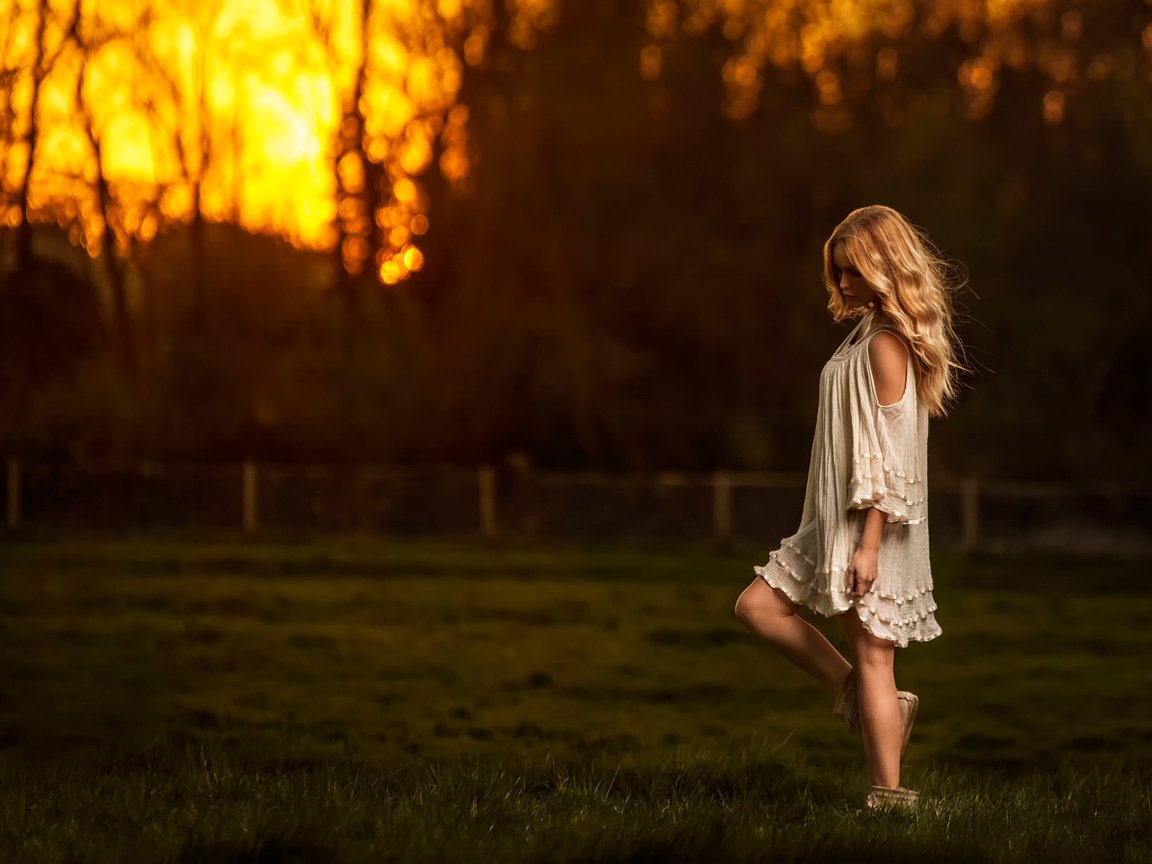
(914,287)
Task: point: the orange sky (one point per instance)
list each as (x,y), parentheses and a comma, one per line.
(273,89)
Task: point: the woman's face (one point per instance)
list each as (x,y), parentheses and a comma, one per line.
(852,285)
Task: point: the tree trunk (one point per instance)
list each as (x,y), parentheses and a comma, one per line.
(113,267)
(24,261)
(197,252)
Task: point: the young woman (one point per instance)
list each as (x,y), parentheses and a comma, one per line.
(861,551)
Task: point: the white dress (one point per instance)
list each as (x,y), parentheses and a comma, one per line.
(864,454)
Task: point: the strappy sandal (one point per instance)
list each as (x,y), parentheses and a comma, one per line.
(887,798)
(909,703)
(847,709)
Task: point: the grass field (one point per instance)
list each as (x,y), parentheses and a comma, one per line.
(368,700)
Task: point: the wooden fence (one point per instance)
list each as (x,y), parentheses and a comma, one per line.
(723,506)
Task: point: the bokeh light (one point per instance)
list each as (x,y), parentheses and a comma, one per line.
(225,105)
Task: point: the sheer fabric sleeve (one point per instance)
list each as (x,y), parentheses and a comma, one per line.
(887,470)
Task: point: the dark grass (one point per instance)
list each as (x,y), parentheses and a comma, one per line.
(355,699)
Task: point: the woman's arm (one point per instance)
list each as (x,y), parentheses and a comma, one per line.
(889,360)
(862,569)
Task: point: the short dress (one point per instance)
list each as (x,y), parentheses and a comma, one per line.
(864,454)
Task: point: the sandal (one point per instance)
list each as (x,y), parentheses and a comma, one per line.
(887,798)
(847,709)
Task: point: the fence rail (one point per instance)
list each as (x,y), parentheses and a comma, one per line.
(721,506)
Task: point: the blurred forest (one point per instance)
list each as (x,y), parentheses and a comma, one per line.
(594,242)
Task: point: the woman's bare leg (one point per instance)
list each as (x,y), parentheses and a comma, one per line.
(880,725)
(769,613)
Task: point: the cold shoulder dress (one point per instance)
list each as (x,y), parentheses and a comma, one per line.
(864,454)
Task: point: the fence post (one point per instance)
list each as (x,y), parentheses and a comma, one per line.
(13,493)
(722,508)
(251,501)
(487,477)
(970,505)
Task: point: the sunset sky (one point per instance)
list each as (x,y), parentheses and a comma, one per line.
(249,95)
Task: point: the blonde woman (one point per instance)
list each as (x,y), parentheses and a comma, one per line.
(861,551)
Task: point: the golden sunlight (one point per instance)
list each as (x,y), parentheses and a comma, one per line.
(820,37)
(316,119)
(224,105)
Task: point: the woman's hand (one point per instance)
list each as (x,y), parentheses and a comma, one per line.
(861,571)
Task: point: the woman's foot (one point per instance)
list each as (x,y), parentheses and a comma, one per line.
(885,798)
(848,710)
(909,703)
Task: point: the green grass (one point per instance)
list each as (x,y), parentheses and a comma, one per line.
(354,699)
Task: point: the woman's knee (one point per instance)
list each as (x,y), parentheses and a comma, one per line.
(872,652)
(867,648)
(760,600)
(877,655)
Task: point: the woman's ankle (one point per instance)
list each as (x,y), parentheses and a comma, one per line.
(891,788)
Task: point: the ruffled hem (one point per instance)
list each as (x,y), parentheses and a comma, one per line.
(920,626)
(885,487)
(898,599)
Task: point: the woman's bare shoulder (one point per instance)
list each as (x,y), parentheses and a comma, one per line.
(887,345)
(888,356)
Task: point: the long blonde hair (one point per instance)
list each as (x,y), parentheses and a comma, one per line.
(914,287)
